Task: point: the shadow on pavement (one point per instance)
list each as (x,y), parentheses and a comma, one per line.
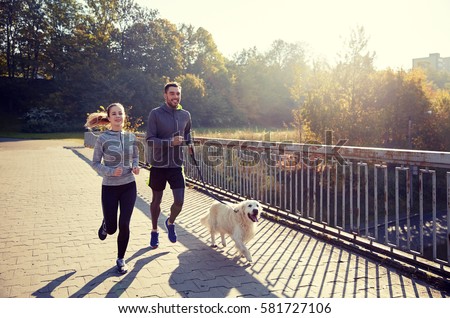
(46,291)
(202,271)
(287,263)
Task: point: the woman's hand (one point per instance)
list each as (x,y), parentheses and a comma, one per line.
(136,170)
(118,172)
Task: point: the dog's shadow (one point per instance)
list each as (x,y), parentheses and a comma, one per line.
(230,251)
(214,275)
(215,272)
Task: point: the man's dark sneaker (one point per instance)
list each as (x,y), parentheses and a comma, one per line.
(154,239)
(102,231)
(122,268)
(171,231)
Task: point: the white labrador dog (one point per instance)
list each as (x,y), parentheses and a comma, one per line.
(236,220)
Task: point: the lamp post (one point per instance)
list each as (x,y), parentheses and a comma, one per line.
(409,133)
(428,112)
(412,169)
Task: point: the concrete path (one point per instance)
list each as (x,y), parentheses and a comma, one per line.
(50,212)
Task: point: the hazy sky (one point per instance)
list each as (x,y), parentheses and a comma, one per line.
(398,30)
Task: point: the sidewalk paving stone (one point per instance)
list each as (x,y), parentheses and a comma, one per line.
(51,212)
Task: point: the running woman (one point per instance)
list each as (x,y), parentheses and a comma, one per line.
(116,159)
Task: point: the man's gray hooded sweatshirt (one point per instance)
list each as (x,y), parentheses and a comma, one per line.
(117,149)
(164,123)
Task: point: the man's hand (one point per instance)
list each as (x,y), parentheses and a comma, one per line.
(177,140)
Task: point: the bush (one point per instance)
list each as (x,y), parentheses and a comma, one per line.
(45,120)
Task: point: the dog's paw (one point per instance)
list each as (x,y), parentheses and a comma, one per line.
(247,257)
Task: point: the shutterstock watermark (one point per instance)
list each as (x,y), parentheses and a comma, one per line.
(232,153)
(316,154)
(214,153)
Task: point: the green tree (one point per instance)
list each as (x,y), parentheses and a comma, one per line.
(247,73)
(265,85)
(154,47)
(320,110)
(440,79)
(203,59)
(62,16)
(439,120)
(403,99)
(202,56)
(11,25)
(193,97)
(25,36)
(353,75)
(287,70)
(129,13)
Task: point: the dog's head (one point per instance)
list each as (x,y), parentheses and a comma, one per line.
(251,208)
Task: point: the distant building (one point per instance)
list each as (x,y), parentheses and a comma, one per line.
(433,62)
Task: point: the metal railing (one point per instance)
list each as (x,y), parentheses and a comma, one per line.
(396,199)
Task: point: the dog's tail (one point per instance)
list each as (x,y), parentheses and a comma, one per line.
(205,220)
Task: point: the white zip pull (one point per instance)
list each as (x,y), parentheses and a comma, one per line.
(122,160)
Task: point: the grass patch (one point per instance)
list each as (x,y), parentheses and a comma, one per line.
(10,127)
(21,135)
(248,134)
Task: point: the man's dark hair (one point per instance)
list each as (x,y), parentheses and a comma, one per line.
(171,84)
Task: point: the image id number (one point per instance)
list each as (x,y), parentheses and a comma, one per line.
(295,308)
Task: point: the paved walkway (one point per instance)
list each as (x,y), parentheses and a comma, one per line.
(50,213)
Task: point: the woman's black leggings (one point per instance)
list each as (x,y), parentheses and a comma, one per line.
(112,197)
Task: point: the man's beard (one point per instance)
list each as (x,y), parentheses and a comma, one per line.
(173,103)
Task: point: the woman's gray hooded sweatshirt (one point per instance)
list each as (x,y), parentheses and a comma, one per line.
(115,149)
